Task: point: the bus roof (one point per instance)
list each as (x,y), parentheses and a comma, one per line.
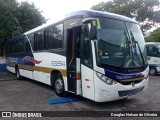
(92,13)
(86,13)
(81,13)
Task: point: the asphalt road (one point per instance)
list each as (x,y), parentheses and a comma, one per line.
(29,95)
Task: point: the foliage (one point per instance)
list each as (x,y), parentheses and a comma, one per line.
(29,16)
(146,12)
(16,18)
(154,36)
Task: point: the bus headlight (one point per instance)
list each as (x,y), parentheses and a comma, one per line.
(105,79)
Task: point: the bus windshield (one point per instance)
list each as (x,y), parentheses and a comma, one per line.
(120,44)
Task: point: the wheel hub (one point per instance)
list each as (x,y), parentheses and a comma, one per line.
(59,85)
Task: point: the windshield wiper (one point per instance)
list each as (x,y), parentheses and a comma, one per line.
(127,43)
(136,42)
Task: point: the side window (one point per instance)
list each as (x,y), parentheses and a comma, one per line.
(48,39)
(58,35)
(152,50)
(19,46)
(86,50)
(53,37)
(28,48)
(27,45)
(38,41)
(78,39)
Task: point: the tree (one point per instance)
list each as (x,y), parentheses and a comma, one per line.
(8,26)
(154,36)
(17,18)
(29,17)
(146,12)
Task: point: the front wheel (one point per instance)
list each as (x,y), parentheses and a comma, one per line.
(59,86)
(152,71)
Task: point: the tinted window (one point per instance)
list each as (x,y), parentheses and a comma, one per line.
(38,41)
(27,45)
(53,37)
(19,46)
(118,46)
(112,42)
(136,35)
(152,50)
(86,50)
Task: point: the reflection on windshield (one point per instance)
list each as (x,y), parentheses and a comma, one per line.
(137,36)
(118,48)
(111,46)
(158,46)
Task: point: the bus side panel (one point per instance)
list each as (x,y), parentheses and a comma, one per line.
(46,63)
(23,72)
(88,88)
(79,81)
(11,69)
(29,74)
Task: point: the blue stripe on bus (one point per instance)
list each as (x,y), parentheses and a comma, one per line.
(119,76)
(19,59)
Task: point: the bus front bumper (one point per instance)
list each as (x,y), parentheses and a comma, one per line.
(104,92)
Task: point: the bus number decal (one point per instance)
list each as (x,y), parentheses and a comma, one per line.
(57,63)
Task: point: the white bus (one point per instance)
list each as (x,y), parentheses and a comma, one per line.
(97,55)
(153,52)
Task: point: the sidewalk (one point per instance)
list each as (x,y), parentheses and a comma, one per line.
(7,76)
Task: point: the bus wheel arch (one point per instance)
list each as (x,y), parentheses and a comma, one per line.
(152,70)
(57,82)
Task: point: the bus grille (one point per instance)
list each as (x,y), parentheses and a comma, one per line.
(129,82)
(130,92)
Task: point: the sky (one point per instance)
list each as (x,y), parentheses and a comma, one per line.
(55,10)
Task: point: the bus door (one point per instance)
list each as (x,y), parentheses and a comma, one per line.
(73,60)
(87,73)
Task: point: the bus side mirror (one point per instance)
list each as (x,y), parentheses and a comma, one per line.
(93,33)
(93,29)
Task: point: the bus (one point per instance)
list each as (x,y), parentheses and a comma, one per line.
(153,52)
(97,55)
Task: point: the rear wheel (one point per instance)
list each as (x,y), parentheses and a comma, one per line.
(152,71)
(59,85)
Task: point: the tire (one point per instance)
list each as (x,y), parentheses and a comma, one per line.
(18,74)
(59,85)
(152,71)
